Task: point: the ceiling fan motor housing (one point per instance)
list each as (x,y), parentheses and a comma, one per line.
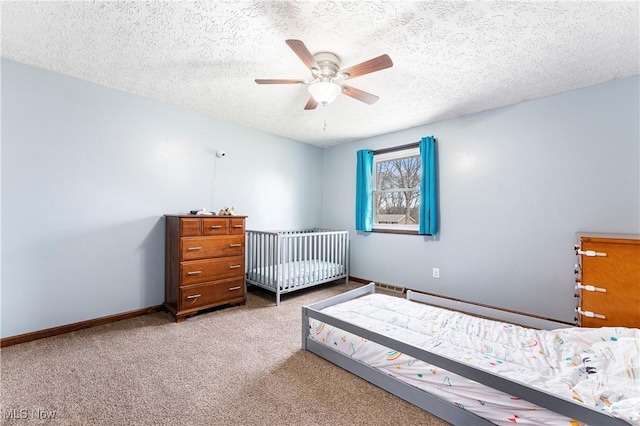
(329,64)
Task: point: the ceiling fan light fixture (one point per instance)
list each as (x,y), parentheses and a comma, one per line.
(325,92)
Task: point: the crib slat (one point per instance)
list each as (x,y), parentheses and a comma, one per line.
(334,247)
(306,256)
(250,253)
(336,271)
(296,259)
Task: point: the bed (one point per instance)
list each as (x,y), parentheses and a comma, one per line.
(471,370)
(286,261)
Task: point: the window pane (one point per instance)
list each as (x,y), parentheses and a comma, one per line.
(397,207)
(397,190)
(398,173)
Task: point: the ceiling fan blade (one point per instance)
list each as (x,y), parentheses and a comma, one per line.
(360,95)
(303,53)
(274,81)
(372,65)
(311,104)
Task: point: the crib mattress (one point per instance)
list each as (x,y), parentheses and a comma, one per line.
(295,274)
(597,367)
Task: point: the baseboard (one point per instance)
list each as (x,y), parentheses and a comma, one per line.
(359,280)
(49,332)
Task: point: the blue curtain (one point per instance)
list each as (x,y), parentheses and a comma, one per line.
(364,190)
(428,187)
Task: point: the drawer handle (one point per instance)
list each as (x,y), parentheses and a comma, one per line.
(237,226)
(234,288)
(235,245)
(193,248)
(216,226)
(591,288)
(589,314)
(194,272)
(194,297)
(591,253)
(234,266)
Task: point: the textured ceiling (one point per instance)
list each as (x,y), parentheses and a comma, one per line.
(450,58)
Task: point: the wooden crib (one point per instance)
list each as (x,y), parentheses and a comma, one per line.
(286,261)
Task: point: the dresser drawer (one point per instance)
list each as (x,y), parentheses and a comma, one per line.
(236,226)
(215,226)
(192,248)
(190,227)
(198,295)
(199,271)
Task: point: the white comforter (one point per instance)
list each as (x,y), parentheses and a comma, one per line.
(597,367)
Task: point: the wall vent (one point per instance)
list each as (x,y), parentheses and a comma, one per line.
(391,287)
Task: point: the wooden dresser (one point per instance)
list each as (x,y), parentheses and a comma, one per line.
(204,263)
(608,280)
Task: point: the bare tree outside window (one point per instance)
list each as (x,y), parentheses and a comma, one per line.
(397,190)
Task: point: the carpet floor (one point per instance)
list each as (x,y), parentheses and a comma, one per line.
(234,366)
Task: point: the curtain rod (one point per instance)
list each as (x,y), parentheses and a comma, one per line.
(396,148)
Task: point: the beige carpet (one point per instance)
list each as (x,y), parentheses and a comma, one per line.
(235,366)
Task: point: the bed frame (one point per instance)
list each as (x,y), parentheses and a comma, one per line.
(437,406)
(281,261)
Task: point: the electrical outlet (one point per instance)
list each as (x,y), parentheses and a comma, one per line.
(436,272)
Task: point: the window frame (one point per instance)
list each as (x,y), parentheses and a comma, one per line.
(409,150)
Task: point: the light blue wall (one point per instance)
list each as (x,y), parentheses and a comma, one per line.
(88,173)
(516,184)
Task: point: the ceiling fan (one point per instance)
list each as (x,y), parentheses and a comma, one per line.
(327,82)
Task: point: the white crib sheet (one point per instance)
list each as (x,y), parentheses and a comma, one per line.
(294,274)
(598,367)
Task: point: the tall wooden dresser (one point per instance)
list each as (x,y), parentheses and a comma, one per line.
(204,263)
(608,280)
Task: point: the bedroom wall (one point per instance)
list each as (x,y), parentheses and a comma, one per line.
(88,173)
(516,184)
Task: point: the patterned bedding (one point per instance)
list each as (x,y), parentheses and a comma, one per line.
(597,367)
(294,274)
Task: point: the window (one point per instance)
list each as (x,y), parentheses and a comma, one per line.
(396,189)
